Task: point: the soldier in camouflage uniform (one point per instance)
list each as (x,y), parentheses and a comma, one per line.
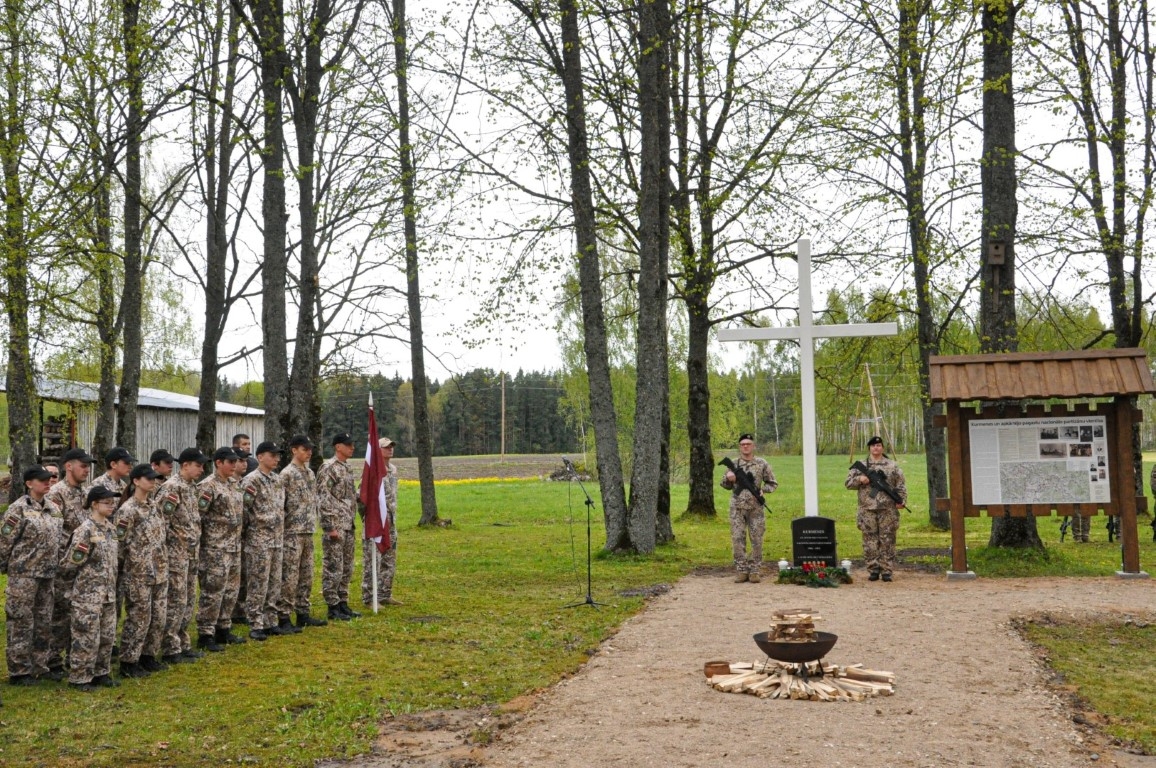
(120,463)
(68,497)
(747,516)
(91,561)
(219,569)
(245,464)
(177,503)
(338,504)
(387,560)
(264,502)
(30,535)
(300,521)
(140,534)
(878,517)
(162,463)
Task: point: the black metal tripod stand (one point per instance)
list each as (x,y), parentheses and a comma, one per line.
(589,506)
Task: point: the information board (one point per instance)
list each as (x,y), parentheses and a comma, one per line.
(1055,460)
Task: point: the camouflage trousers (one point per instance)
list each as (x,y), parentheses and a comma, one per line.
(182,596)
(262,585)
(238,613)
(878,527)
(61,622)
(296,574)
(93,633)
(29,609)
(1081,527)
(752,521)
(145,609)
(220,576)
(336,567)
(386,568)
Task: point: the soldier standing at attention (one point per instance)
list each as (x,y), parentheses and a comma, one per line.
(68,497)
(119,463)
(140,535)
(748,516)
(162,464)
(263,496)
(387,560)
(219,568)
(878,517)
(177,504)
(30,546)
(240,469)
(338,503)
(92,557)
(300,521)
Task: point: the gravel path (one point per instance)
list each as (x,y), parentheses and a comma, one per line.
(968,689)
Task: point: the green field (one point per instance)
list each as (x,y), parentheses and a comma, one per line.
(484,621)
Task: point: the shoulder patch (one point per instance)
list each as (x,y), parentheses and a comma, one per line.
(250,493)
(204,500)
(121,529)
(80,553)
(11,520)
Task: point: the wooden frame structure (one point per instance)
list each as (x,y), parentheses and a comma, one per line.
(1012,385)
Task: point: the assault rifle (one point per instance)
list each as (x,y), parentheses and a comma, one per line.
(744,480)
(879,482)
(1065,525)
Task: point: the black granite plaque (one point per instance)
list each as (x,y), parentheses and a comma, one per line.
(814,541)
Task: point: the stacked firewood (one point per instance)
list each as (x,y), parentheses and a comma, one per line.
(777,680)
(793,625)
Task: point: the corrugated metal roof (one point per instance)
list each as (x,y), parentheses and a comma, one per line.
(1041,375)
(64,391)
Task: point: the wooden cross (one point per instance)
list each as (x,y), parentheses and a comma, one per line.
(806,332)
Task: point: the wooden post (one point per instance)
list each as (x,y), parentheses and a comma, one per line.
(955,427)
(1125,489)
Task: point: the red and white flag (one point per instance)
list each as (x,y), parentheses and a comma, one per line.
(373,489)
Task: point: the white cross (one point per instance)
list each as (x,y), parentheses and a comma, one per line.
(806,332)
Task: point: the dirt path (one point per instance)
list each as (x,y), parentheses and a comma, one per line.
(968,689)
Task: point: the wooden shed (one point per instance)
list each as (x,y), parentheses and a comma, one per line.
(1012,453)
(164,419)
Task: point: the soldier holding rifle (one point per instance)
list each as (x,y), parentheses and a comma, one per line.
(748,479)
(882,493)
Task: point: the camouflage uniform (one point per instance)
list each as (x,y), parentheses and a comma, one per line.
(92,556)
(297,558)
(178,506)
(264,503)
(748,516)
(117,486)
(219,568)
(878,517)
(387,560)
(1081,527)
(30,534)
(141,535)
(69,500)
(337,501)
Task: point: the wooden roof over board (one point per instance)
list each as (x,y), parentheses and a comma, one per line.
(1040,375)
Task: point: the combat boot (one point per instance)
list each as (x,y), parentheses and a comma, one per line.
(133,669)
(86,687)
(305,620)
(286,626)
(755,578)
(105,681)
(258,635)
(209,643)
(190,655)
(336,614)
(152,665)
(225,637)
(276,631)
(176,658)
(344,606)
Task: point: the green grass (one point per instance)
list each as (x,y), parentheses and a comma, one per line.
(484,621)
(1107,664)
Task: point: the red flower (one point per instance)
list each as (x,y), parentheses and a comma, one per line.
(806,567)
(822,574)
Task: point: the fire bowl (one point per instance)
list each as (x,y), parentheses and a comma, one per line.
(796,653)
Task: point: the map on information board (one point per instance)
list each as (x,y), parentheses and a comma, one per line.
(1055,460)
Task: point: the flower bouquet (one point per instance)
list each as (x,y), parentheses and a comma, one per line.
(815,575)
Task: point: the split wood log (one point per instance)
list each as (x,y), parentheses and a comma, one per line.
(780,680)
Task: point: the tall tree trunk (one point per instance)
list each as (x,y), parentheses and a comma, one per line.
(269,19)
(131,294)
(423,438)
(652,385)
(106,314)
(218,170)
(21,387)
(998,331)
(602,411)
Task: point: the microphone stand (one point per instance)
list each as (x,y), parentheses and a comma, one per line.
(589,506)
